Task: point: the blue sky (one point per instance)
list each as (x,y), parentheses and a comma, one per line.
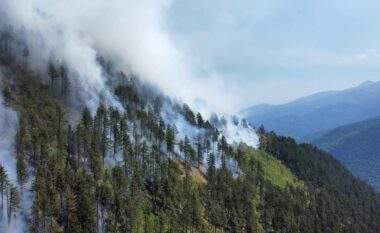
(273,51)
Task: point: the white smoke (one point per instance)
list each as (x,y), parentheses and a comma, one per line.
(9,124)
(8,129)
(133,34)
(237,132)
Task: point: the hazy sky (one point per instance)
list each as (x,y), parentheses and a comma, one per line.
(273,51)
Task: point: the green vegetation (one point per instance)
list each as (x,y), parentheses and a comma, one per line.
(151,189)
(148,190)
(357,146)
(130,171)
(337,198)
(273,170)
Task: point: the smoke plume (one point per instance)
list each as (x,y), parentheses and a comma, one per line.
(132,34)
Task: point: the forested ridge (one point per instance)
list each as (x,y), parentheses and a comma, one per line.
(133,170)
(356,145)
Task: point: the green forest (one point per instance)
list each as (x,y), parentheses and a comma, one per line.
(131,170)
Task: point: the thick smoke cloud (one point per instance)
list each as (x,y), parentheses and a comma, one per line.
(132,33)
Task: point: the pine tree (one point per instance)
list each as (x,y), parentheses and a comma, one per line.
(200,149)
(53,73)
(21,167)
(25,56)
(72,224)
(7,93)
(170,139)
(200,121)
(14,202)
(65,83)
(4,182)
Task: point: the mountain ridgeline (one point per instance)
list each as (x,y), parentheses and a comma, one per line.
(135,169)
(357,146)
(315,114)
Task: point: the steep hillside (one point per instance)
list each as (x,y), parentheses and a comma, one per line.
(142,162)
(132,172)
(340,197)
(319,112)
(356,146)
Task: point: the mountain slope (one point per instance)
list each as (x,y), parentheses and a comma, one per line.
(357,146)
(329,183)
(151,165)
(319,112)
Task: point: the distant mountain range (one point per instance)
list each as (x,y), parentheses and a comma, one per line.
(357,146)
(344,123)
(320,112)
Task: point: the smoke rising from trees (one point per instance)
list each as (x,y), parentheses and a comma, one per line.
(133,34)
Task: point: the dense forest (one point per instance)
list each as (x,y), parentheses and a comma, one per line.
(134,170)
(357,147)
